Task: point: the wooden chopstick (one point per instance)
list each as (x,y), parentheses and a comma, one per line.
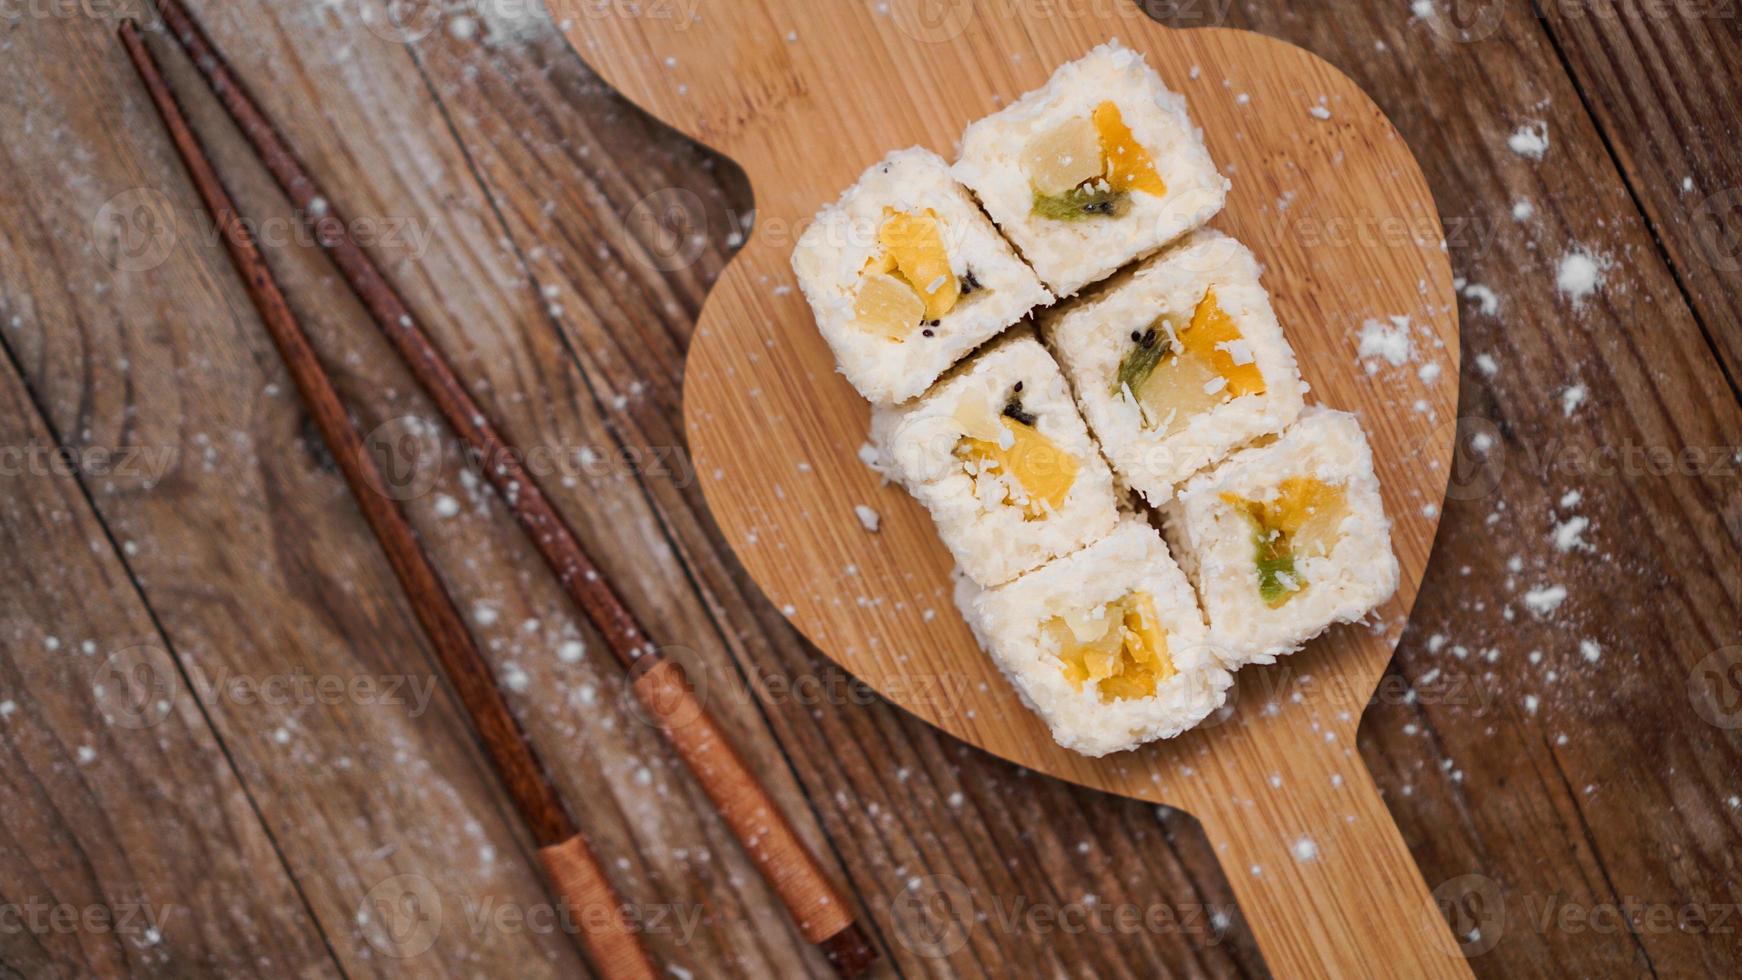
(820,911)
(573,869)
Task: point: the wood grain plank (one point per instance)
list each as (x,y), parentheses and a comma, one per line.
(510,113)
(1664,84)
(1527,775)
(127,844)
(269,589)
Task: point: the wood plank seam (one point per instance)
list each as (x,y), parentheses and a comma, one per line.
(1675,273)
(678,550)
(118,554)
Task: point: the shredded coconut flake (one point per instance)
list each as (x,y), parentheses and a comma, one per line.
(1388,342)
(1579,275)
(1569,534)
(1572,396)
(1529,140)
(1545,600)
(869,519)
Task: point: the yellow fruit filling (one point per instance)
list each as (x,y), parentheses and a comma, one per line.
(1177,371)
(1128,165)
(909,282)
(1009,446)
(1085,167)
(1120,648)
(1301,521)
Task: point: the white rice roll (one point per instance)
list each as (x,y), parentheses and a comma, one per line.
(1183,417)
(1011,156)
(998,454)
(1023,626)
(1284,539)
(846,246)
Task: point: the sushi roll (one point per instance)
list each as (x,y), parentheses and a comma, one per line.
(999,455)
(1107,645)
(905,276)
(1097,167)
(1286,538)
(1178,362)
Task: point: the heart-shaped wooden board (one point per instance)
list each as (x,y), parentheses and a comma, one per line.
(804,96)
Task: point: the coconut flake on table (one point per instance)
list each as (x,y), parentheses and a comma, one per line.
(1389,343)
(1487,301)
(1487,365)
(1578,275)
(1429,372)
(1572,396)
(1571,498)
(1522,210)
(1590,651)
(1545,600)
(1529,140)
(1569,533)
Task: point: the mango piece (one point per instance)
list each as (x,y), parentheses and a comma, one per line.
(1127,659)
(887,306)
(1212,327)
(1043,470)
(915,243)
(1059,159)
(1301,521)
(1128,165)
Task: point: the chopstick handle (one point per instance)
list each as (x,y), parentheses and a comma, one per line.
(822,914)
(574,875)
(574,870)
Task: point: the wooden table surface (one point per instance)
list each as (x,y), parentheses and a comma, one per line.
(224,745)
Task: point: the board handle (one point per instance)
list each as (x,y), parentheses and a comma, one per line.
(1324,878)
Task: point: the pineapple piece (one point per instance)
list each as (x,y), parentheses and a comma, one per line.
(887,306)
(1208,336)
(915,243)
(1122,651)
(1043,471)
(1301,522)
(1059,159)
(1194,372)
(1128,165)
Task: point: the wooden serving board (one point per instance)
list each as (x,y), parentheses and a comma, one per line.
(804,95)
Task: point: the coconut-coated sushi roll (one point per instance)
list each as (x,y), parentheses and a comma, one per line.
(1093,169)
(1177,362)
(905,276)
(998,454)
(1286,538)
(1107,645)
